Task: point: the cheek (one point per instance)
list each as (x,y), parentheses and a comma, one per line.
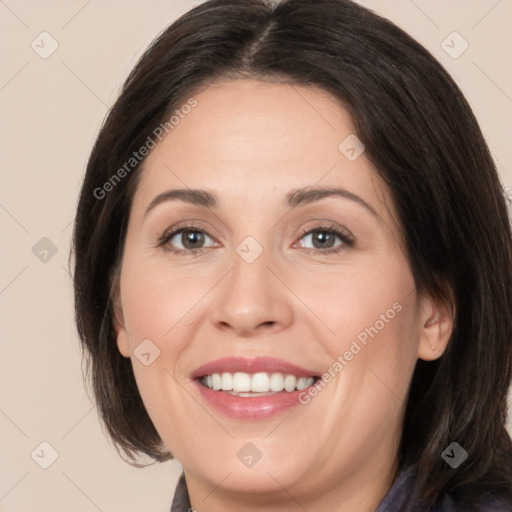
(373,318)
(158,301)
(156,307)
(364,301)
(160,307)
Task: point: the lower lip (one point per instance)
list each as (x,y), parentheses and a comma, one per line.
(250,408)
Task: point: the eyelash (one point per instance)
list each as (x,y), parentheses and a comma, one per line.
(347,239)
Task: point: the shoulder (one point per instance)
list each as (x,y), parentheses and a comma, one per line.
(486,505)
(402,497)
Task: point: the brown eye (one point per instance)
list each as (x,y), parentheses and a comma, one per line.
(184,240)
(191,239)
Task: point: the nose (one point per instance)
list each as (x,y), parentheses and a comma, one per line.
(252,299)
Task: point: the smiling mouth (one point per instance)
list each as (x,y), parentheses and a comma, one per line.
(256,384)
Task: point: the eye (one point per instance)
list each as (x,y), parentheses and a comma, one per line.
(189,240)
(185,240)
(323,239)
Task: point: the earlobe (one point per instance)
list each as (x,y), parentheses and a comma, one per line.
(436,327)
(123,343)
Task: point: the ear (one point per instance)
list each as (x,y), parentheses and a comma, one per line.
(436,327)
(123,343)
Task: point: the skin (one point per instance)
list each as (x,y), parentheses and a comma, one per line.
(250,142)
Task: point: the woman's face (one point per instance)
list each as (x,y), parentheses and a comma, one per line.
(315,284)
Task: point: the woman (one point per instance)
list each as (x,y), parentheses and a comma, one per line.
(366,372)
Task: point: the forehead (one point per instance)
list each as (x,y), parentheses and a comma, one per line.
(249,140)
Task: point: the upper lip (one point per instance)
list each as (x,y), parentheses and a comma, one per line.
(251,365)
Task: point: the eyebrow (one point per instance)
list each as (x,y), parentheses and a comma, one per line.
(293,199)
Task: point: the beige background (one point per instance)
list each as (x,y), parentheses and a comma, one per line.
(51,110)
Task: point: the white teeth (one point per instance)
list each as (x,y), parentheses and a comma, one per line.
(260,383)
(241,382)
(227,382)
(290,382)
(302,383)
(277,382)
(216,381)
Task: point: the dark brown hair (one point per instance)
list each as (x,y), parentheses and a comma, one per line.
(423,139)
